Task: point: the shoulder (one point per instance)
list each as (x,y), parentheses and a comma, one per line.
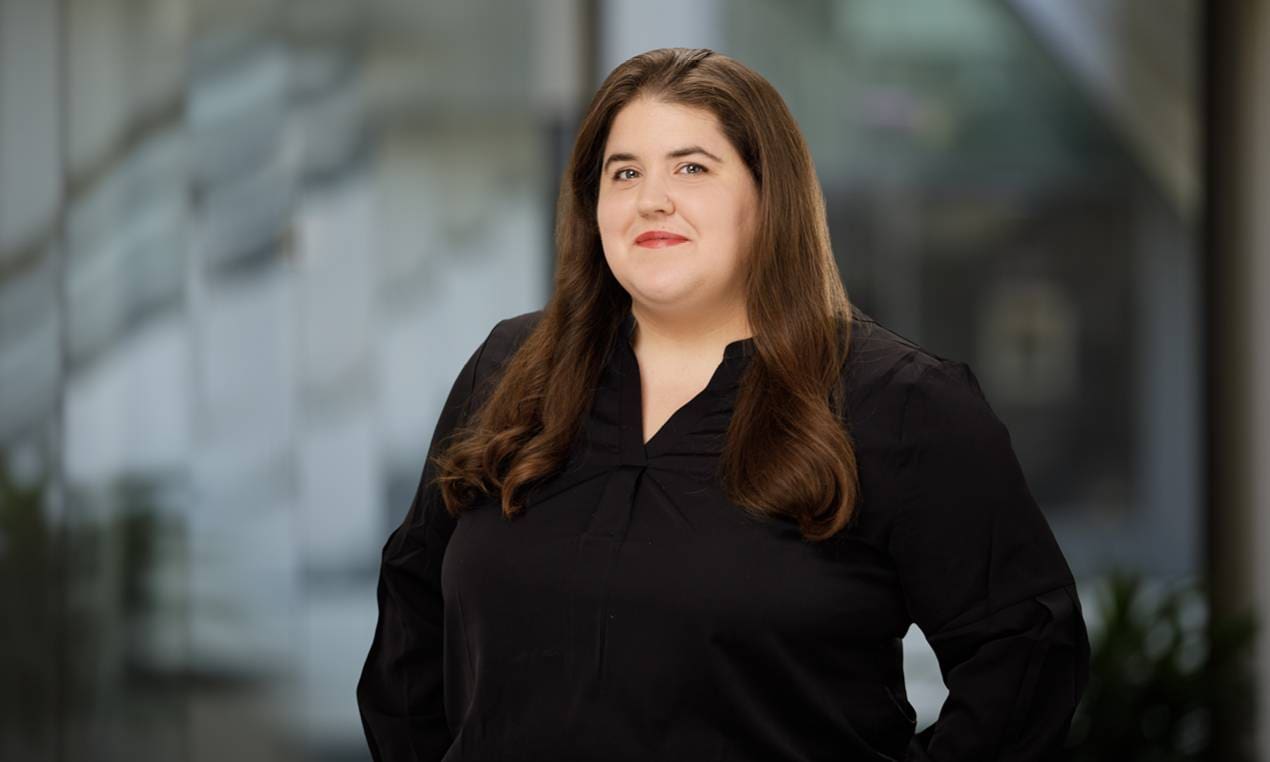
(511,331)
(877,354)
(903,394)
(884,369)
(504,339)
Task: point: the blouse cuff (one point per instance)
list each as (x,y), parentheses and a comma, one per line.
(1014,678)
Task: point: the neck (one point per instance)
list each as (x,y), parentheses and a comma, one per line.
(684,335)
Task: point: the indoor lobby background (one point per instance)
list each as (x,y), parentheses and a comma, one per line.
(245,246)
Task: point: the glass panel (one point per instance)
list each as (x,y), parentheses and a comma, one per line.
(244,249)
(1013,184)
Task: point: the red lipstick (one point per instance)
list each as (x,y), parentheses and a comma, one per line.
(658,239)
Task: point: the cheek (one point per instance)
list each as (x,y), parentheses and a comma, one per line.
(744,207)
(727,221)
(734,223)
(607,220)
(745,220)
(610,236)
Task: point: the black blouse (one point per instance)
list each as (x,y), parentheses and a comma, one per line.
(633,613)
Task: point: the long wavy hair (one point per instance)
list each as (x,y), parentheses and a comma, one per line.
(787,453)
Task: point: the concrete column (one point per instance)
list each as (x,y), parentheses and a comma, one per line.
(1238,250)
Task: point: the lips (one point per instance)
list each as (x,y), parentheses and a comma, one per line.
(658,238)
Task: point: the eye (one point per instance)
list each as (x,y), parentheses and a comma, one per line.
(701,170)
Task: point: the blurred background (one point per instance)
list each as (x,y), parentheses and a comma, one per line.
(245,246)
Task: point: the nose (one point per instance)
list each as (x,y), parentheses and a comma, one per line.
(653,197)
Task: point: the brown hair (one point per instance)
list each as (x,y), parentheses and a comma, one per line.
(787,452)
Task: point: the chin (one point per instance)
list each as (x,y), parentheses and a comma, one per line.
(666,294)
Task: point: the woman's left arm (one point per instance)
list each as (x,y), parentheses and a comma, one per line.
(985,580)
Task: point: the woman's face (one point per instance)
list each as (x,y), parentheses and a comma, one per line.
(670,168)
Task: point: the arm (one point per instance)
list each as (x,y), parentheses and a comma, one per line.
(985,580)
(400,695)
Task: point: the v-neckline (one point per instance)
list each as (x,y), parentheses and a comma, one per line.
(684,418)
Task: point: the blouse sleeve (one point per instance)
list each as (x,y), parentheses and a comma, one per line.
(399,694)
(984,579)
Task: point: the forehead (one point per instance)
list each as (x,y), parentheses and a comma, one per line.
(653,124)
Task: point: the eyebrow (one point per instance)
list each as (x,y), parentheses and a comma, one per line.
(675,154)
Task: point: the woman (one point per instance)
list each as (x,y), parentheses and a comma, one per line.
(689,509)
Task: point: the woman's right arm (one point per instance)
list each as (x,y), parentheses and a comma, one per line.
(399,694)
